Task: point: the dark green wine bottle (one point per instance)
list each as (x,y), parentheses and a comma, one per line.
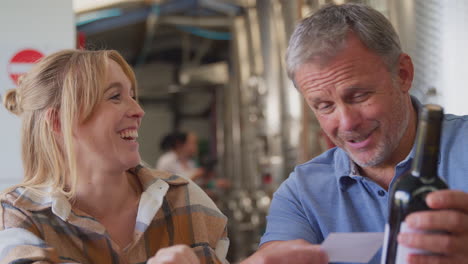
(409,192)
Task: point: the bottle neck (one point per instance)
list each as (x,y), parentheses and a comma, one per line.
(427,147)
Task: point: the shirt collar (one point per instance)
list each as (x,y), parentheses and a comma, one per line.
(44,198)
(347,172)
(148,177)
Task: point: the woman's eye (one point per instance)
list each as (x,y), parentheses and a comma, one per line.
(115,97)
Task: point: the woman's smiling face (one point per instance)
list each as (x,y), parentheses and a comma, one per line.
(108,138)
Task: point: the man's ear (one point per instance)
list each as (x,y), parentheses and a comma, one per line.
(405,72)
(53,120)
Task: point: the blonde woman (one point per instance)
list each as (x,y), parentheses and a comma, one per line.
(85,198)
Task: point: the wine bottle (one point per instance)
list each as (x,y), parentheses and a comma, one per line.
(409,192)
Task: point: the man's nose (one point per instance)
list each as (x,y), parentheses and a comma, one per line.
(350,118)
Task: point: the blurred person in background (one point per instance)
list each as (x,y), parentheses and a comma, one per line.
(179,153)
(85,198)
(179,150)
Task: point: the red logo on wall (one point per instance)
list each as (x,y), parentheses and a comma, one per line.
(22,62)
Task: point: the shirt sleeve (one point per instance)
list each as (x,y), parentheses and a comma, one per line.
(286,219)
(19,239)
(209,228)
(222,248)
(206,254)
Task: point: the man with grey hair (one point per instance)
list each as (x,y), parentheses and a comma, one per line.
(347,62)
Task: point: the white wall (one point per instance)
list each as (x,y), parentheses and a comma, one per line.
(434,33)
(45,26)
(454,56)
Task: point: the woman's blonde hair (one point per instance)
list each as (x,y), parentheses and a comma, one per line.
(61,91)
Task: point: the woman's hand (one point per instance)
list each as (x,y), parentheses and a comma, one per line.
(178,254)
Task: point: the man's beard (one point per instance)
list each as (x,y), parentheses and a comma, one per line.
(380,154)
(387,145)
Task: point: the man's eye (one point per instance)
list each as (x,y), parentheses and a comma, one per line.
(360,96)
(324,107)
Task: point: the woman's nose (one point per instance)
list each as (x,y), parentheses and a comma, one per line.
(136,110)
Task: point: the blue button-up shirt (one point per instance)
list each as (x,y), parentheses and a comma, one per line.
(328,195)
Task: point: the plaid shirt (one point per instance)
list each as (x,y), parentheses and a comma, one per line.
(46,229)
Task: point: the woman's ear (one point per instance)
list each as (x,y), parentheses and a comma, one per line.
(405,72)
(53,120)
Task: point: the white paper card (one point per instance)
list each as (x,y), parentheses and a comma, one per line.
(352,247)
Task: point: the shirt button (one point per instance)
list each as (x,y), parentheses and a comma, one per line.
(381,193)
